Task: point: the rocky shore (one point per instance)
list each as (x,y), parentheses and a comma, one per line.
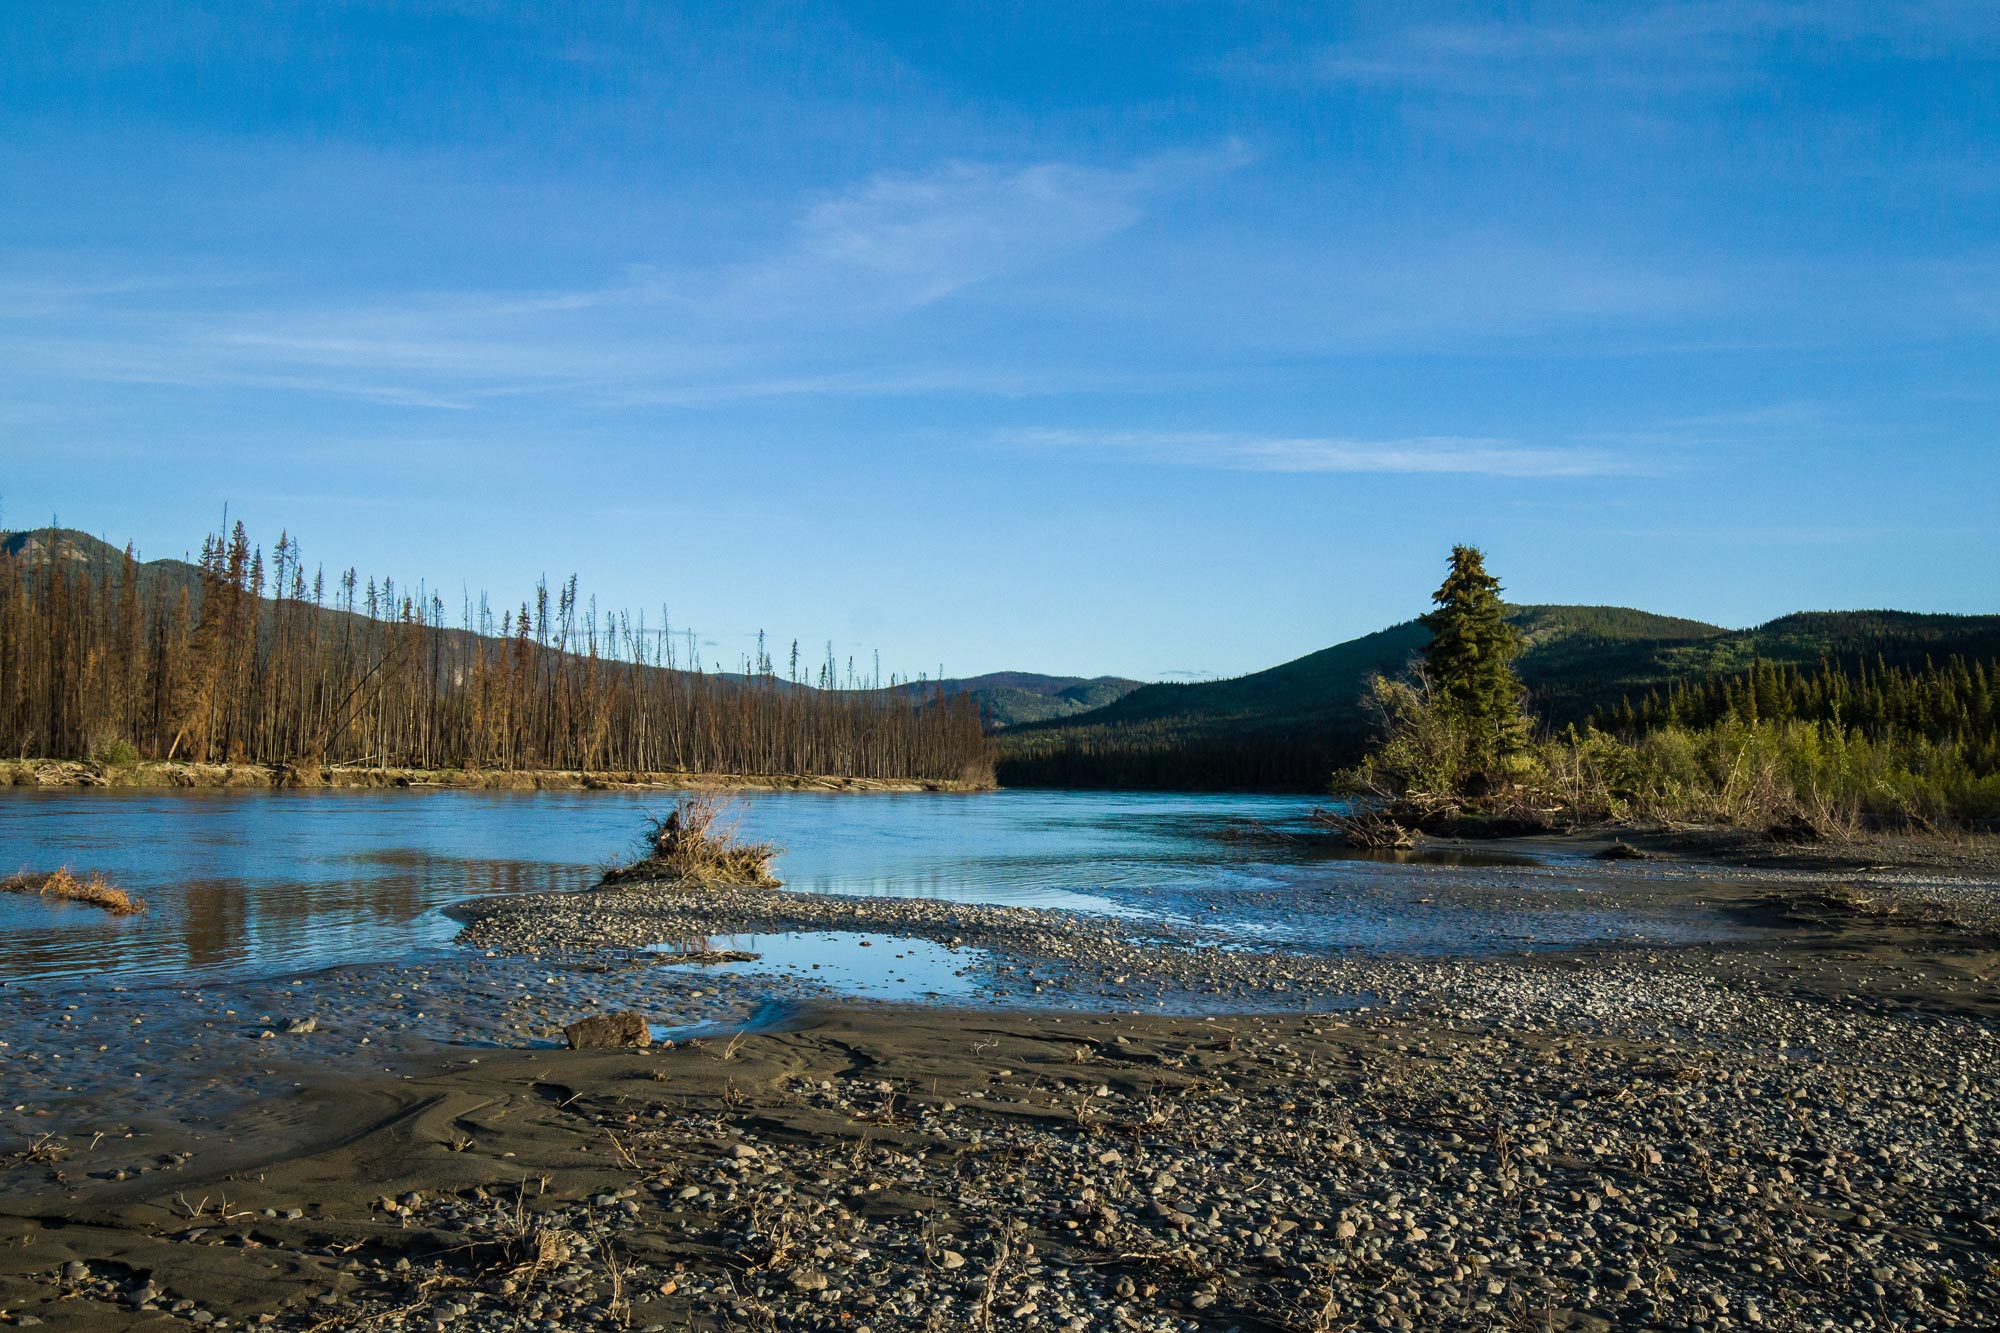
(1792,1127)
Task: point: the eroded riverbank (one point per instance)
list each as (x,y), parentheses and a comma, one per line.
(61,773)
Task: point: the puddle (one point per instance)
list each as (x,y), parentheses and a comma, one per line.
(849,962)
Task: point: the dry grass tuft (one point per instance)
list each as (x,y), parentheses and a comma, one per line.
(538,1248)
(695,843)
(97,891)
(45,1150)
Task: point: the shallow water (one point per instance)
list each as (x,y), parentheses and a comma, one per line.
(269,907)
(247,884)
(251,883)
(850,962)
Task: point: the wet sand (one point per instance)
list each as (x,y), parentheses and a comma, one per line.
(1791,1128)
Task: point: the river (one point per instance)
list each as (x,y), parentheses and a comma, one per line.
(244,884)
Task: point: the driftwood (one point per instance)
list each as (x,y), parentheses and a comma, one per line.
(1367,829)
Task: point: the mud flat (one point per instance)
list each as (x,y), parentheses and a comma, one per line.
(1792,1127)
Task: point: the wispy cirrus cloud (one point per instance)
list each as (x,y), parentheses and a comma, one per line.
(901,240)
(1434,455)
(1674,48)
(855,260)
(1652,50)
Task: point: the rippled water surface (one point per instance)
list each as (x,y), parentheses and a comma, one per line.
(253,883)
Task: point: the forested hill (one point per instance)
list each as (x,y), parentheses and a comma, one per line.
(1286,727)
(1291,725)
(83,553)
(1005,698)
(1011,698)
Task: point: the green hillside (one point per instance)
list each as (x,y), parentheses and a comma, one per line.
(1291,725)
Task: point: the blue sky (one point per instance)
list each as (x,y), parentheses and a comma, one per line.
(1159,339)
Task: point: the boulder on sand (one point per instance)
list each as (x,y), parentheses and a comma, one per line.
(625,1028)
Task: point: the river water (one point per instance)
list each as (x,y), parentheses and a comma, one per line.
(242,884)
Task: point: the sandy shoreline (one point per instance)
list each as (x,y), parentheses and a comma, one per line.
(1794,1129)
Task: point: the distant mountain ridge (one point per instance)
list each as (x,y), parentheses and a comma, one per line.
(1014,698)
(1293,724)
(1290,725)
(96,556)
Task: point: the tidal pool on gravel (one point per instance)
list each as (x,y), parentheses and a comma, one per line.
(851,962)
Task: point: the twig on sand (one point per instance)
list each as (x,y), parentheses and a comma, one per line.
(616,1308)
(985,1308)
(44,1150)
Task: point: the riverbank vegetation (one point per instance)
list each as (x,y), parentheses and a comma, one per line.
(271,662)
(1819,752)
(1165,756)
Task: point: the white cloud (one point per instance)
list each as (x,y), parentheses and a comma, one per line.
(1672,48)
(901,240)
(928,236)
(1308,454)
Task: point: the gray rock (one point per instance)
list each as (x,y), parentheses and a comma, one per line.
(605,1031)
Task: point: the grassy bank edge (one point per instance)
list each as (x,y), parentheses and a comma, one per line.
(154,774)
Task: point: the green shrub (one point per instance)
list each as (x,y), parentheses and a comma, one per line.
(120,753)
(1762,773)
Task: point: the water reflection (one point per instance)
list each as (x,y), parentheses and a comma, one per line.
(259,882)
(843,961)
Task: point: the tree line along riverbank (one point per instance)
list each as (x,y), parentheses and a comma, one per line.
(1805,754)
(237,661)
(143,774)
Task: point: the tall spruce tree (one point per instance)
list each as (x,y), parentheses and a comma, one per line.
(1471,655)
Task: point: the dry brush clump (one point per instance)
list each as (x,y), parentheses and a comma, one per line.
(61,883)
(695,843)
(1366,828)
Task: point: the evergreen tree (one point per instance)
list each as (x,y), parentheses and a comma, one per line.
(1471,656)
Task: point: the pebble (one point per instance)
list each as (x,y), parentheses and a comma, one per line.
(1665,1138)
